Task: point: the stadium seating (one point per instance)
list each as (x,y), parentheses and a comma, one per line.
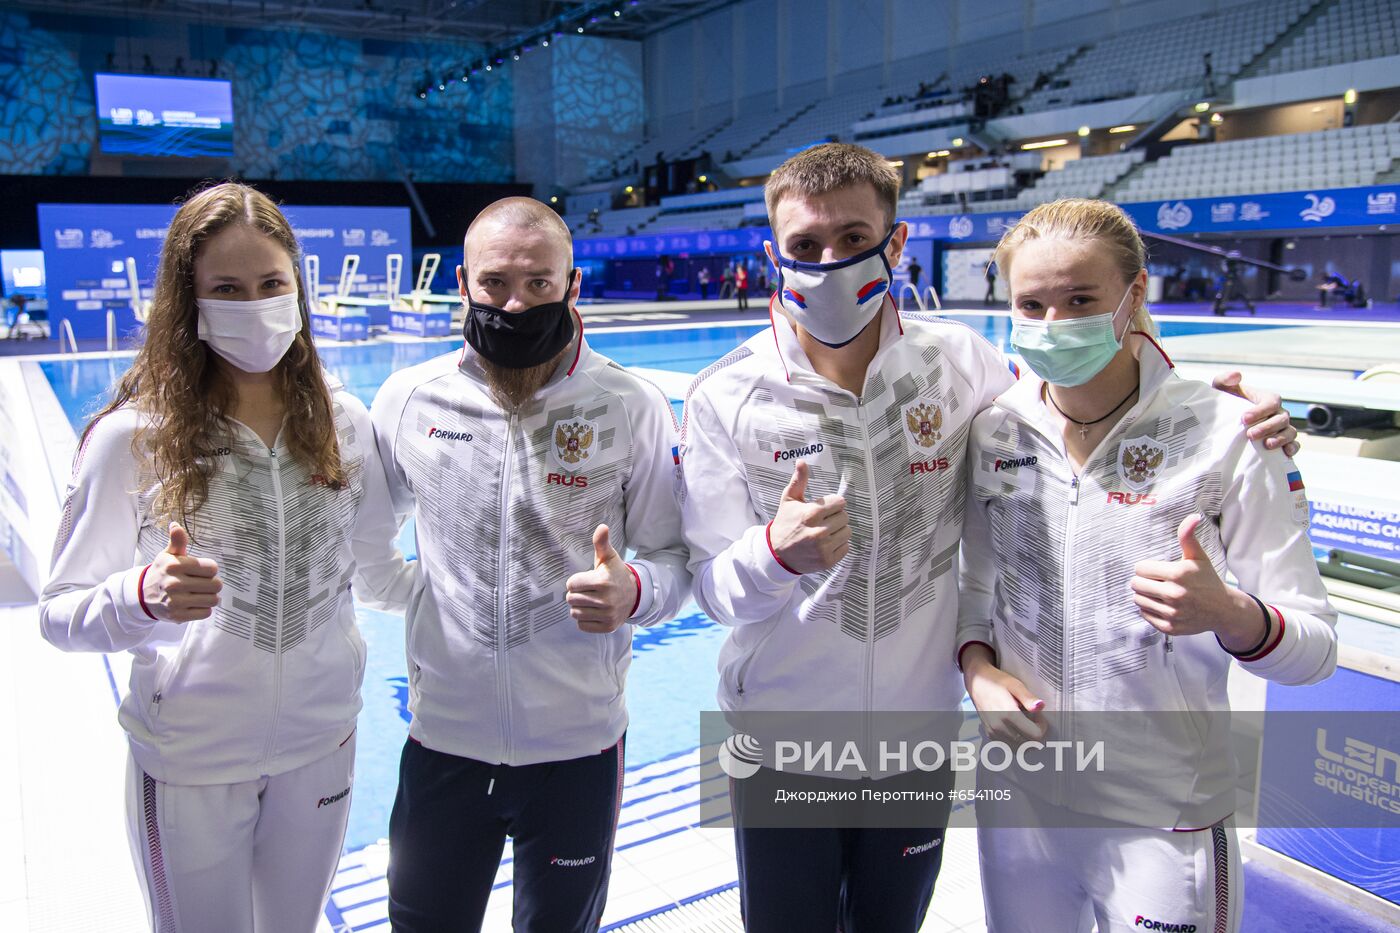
(1328,159)
(1348,31)
(1261,38)
(1081,178)
(612,223)
(1126,65)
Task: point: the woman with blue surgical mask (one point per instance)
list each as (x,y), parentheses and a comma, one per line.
(220,508)
(1125,543)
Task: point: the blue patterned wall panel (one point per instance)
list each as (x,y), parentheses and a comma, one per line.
(306,105)
(599,102)
(47,125)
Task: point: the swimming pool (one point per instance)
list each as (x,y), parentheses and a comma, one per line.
(673,667)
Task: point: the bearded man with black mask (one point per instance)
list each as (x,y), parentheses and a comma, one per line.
(531,464)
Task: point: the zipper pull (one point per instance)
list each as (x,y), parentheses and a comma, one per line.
(1074,491)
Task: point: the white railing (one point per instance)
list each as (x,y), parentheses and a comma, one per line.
(111,331)
(65,328)
(910,288)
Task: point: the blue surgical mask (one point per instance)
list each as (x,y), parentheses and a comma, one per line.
(834,301)
(1069,352)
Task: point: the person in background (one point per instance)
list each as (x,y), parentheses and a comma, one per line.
(664,267)
(1108,499)
(915,271)
(741,285)
(222,504)
(991,276)
(531,465)
(726,282)
(702,279)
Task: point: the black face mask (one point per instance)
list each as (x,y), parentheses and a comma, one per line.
(519,339)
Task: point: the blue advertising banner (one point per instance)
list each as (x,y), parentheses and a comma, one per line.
(1321,208)
(1331,207)
(86,247)
(1366,528)
(1330,798)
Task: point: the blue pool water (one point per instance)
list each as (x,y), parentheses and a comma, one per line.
(81,384)
(673,667)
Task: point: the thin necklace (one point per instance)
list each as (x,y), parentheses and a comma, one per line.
(1084,425)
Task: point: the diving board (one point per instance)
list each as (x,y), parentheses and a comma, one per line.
(1350,350)
(422,312)
(1372,394)
(331,315)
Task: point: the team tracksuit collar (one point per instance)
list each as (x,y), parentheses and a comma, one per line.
(798,368)
(1024,398)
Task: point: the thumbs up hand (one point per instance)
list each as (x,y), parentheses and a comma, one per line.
(1187,596)
(602,599)
(807,536)
(180,588)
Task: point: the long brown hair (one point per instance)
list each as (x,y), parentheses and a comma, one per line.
(179,389)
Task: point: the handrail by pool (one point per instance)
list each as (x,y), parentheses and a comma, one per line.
(66,327)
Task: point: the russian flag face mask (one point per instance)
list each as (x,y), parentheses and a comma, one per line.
(834,301)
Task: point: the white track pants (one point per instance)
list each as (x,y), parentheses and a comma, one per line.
(238,858)
(1039,876)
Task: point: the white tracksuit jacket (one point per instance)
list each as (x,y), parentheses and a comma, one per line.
(876,631)
(271,681)
(506,505)
(1047,559)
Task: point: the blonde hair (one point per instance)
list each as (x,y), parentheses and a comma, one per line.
(831,167)
(1084,219)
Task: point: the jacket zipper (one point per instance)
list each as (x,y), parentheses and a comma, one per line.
(1066,590)
(870,577)
(502,671)
(1067,565)
(281,590)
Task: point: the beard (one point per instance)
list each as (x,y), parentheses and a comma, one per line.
(512,388)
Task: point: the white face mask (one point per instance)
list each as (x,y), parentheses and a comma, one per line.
(834,301)
(252,335)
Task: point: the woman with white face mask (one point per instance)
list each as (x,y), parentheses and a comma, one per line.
(221,506)
(1108,498)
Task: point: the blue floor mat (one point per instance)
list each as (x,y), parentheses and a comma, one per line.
(1274,902)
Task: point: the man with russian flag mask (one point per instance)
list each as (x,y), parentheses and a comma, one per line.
(823,466)
(834,301)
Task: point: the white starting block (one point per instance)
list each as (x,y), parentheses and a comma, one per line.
(422,313)
(333,316)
